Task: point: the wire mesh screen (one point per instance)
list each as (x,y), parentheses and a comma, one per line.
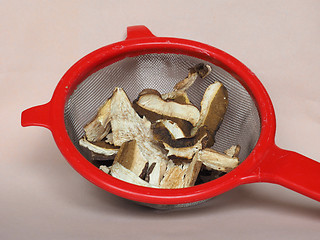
(241,124)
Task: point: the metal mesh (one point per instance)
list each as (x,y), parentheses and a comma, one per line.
(241,124)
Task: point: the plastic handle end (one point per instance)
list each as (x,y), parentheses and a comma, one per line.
(37,116)
(139,31)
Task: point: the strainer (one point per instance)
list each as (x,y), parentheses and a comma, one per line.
(142,61)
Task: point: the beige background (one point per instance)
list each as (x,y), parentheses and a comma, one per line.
(42,197)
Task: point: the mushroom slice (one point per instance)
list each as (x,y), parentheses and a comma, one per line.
(124,174)
(130,157)
(200,70)
(100,147)
(192,171)
(233,151)
(154,107)
(179,91)
(173,128)
(183,147)
(99,127)
(127,125)
(176,96)
(213,108)
(184,152)
(217,161)
(182,175)
(105,168)
(174,176)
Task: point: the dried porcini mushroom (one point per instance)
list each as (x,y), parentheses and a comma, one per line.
(99,127)
(186,152)
(173,129)
(122,173)
(233,151)
(179,93)
(182,147)
(192,172)
(126,124)
(177,96)
(161,140)
(217,161)
(153,103)
(213,108)
(173,177)
(101,147)
(129,156)
(200,70)
(181,175)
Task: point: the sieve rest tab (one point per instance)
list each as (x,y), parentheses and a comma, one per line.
(138,31)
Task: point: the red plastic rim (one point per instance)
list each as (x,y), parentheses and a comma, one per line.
(136,45)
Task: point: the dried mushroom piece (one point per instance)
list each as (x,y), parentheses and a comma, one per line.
(100,147)
(213,108)
(99,127)
(154,108)
(192,172)
(179,91)
(233,151)
(127,125)
(172,128)
(105,168)
(174,176)
(177,96)
(186,152)
(124,174)
(130,157)
(217,161)
(182,175)
(200,70)
(182,147)
(184,125)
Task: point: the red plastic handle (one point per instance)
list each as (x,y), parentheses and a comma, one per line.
(139,31)
(291,170)
(37,116)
